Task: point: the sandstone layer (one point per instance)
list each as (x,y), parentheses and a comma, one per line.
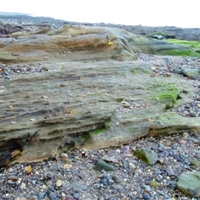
(91,78)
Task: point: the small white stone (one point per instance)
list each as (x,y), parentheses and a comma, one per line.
(23,186)
(132,165)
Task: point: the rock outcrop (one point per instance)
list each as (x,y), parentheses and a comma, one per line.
(77,43)
(93,94)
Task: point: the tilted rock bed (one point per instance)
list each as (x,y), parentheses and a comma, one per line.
(72,175)
(160,65)
(86,99)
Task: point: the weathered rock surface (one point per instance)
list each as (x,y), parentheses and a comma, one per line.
(76,103)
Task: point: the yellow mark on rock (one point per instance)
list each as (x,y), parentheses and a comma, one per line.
(110,43)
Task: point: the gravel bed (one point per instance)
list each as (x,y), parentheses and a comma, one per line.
(72,176)
(7,72)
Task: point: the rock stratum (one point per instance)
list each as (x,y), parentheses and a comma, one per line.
(91,92)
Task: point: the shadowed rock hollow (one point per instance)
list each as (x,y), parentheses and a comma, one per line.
(93,78)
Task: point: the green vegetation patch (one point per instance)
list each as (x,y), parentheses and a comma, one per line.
(192,44)
(183,52)
(97,131)
(132,71)
(85,136)
(100,129)
(167,93)
(193,51)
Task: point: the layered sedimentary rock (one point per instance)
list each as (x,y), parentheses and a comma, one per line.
(93,94)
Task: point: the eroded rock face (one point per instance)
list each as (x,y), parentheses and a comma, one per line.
(78,102)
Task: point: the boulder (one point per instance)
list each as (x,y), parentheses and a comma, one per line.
(189,183)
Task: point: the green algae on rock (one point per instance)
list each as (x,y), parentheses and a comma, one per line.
(148,156)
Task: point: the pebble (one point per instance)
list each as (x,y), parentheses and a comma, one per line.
(23,186)
(170,171)
(42,195)
(147,188)
(134,198)
(146,196)
(104,181)
(76,195)
(102,165)
(59,183)
(52,195)
(154,183)
(132,166)
(110,159)
(195,162)
(117,187)
(117,179)
(193,114)
(69,198)
(148,156)
(111,181)
(125,164)
(84,188)
(44,69)
(97,185)
(21,198)
(125,149)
